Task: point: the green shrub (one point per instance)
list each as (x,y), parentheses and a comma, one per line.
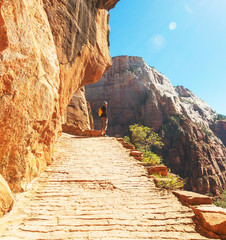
(171,181)
(221,201)
(145,139)
(126,139)
(152,158)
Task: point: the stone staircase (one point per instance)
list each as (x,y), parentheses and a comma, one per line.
(96,190)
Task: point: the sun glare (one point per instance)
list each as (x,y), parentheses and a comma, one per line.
(172,26)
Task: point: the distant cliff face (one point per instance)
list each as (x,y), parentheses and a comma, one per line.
(137,93)
(48,49)
(219,128)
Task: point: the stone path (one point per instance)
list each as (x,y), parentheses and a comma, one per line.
(95,190)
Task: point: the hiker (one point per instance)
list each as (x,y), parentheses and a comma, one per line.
(104,118)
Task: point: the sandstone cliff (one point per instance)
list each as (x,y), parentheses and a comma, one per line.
(79,112)
(219,129)
(137,93)
(48,49)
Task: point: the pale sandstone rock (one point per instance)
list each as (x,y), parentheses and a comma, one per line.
(79,112)
(6,197)
(29,85)
(48,50)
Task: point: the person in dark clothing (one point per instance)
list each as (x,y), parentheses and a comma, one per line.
(104,119)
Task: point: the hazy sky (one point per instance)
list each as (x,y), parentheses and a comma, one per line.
(183,39)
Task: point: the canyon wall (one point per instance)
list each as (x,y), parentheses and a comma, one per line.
(48,49)
(137,93)
(219,129)
(79,112)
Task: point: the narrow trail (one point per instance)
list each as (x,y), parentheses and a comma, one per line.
(95,190)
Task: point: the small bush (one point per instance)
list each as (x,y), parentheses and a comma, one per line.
(126,139)
(144,139)
(171,181)
(152,158)
(221,201)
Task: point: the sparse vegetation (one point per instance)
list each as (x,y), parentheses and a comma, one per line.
(152,158)
(145,139)
(172,126)
(220,117)
(170,182)
(206,130)
(221,201)
(126,139)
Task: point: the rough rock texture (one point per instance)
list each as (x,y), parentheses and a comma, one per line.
(219,129)
(137,93)
(79,112)
(195,108)
(191,198)
(29,85)
(195,155)
(6,197)
(211,221)
(71,129)
(48,49)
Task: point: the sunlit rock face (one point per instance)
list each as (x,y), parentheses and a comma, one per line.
(80,31)
(6,197)
(138,93)
(29,86)
(79,112)
(48,49)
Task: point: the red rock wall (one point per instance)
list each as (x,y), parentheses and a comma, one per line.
(195,155)
(48,50)
(219,128)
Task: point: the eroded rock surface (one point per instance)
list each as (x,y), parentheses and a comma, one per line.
(29,85)
(48,50)
(6,197)
(79,112)
(219,128)
(137,93)
(211,221)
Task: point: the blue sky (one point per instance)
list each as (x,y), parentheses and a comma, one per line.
(183,39)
